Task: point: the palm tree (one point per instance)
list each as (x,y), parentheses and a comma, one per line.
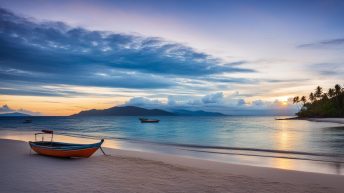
(304,100)
(296,100)
(331,92)
(324,96)
(338,89)
(311,97)
(318,92)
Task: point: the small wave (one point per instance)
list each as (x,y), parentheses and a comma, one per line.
(268,156)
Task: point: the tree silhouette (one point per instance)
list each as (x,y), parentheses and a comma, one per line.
(311,97)
(330,104)
(296,100)
(304,100)
(331,92)
(318,92)
(338,89)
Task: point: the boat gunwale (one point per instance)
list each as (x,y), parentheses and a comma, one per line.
(65,146)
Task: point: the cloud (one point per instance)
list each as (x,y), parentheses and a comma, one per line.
(328,69)
(171,101)
(213,98)
(191,103)
(229,80)
(142,102)
(324,44)
(241,102)
(217,102)
(22,88)
(6,109)
(261,107)
(55,53)
(258,102)
(255,104)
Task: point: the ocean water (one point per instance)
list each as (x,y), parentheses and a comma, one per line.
(261,141)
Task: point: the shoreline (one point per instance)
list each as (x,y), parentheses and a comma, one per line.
(327,120)
(201,175)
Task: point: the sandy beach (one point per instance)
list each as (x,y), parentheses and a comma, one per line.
(132,171)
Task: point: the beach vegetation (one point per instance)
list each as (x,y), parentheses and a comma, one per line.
(321,104)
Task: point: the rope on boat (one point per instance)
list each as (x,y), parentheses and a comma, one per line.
(102,150)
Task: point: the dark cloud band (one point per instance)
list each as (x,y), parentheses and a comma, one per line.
(324,44)
(55,53)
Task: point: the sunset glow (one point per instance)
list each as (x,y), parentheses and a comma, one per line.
(245,57)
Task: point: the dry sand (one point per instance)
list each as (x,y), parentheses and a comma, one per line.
(130,171)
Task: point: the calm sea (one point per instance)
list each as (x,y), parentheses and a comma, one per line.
(261,141)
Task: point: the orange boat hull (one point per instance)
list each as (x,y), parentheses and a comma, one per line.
(65,153)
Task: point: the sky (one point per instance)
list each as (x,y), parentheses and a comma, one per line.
(235,57)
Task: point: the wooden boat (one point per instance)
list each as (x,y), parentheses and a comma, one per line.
(59,149)
(144,120)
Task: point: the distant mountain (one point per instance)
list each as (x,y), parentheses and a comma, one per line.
(14,114)
(125,111)
(196,113)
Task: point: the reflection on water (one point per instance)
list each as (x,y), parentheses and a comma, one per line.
(282,137)
(283,164)
(283,141)
(259,141)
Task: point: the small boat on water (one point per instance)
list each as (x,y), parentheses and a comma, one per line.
(65,150)
(145,120)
